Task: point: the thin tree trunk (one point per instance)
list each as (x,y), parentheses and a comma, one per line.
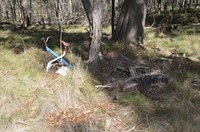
(165,6)
(97,15)
(120,31)
(185,4)
(22,14)
(154,5)
(173,5)
(7,14)
(159,6)
(0,12)
(13,10)
(113,17)
(181,4)
(58,11)
(48,13)
(30,13)
(70,8)
(197,3)
(88,10)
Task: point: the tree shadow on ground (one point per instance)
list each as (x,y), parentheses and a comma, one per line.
(32,38)
(177,112)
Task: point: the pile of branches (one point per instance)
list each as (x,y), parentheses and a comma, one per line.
(126,74)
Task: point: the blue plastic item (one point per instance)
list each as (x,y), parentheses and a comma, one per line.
(62,60)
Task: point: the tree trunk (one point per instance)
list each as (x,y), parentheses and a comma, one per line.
(165,6)
(58,11)
(173,5)
(7,14)
(30,13)
(25,19)
(88,10)
(22,14)
(185,4)
(181,4)
(130,26)
(0,13)
(97,15)
(13,10)
(197,3)
(159,6)
(70,8)
(113,17)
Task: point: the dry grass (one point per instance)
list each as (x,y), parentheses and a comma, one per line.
(183,40)
(33,100)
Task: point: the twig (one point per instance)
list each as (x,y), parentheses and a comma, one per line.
(4,74)
(140,76)
(22,122)
(130,129)
(132,85)
(110,85)
(125,81)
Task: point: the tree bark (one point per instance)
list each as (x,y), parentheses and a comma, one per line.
(22,14)
(159,6)
(13,10)
(30,13)
(165,6)
(97,15)
(58,11)
(173,5)
(88,10)
(0,13)
(113,17)
(130,26)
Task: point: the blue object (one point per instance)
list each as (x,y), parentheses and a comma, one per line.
(62,60)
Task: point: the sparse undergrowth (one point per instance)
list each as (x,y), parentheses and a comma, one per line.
(33,100)
(183,41)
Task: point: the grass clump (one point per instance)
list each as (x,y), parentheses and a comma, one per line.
(29,94)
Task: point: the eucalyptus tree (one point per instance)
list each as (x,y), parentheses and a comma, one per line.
(12,4)
(94,13)
(131,22)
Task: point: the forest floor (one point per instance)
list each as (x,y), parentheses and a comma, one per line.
(33,100)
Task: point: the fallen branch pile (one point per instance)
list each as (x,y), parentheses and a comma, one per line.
(126,74)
